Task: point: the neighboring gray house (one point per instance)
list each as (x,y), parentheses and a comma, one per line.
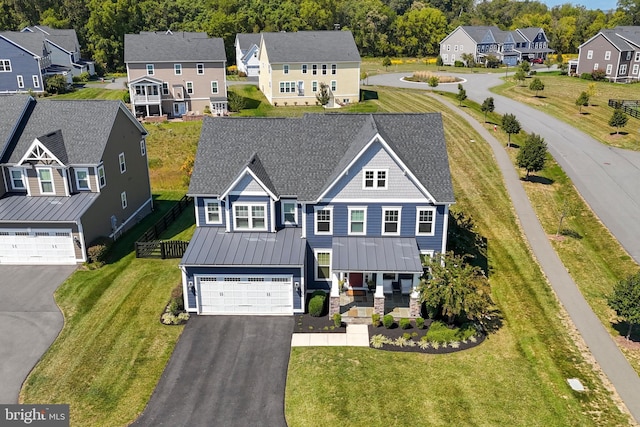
(286,206)
(68,178)
(24,59)
(64,49)
(509,47)
(616,52)
(247,50)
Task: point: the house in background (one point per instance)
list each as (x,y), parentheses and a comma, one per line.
(24,60)
(286,206)
(247,49)
(175,73)
(616,52)
(72,171)
(294,65)
(64,49)
(509,47)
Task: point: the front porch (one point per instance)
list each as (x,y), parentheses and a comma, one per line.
(353,307)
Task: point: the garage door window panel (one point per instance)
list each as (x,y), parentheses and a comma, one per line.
(250,217)
(45,178)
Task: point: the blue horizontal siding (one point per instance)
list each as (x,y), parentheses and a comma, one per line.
(202,213)
(22,64)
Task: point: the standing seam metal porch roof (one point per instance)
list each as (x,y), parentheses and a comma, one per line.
(18,208)
(212,246)
(386,254)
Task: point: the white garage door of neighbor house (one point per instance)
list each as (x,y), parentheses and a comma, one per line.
(36,246)
(245,295)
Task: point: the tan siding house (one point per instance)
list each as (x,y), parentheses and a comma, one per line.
(294,65)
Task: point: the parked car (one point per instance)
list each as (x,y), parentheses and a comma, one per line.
(537,61)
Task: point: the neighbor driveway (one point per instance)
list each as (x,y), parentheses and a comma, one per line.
(225,371)
(29,321)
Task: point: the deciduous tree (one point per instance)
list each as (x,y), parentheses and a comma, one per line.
(461,95)
(532,154)
(536,85)
(511,125)
(487,107)
(625,300)
(618,120)
(582,101)
(386,62)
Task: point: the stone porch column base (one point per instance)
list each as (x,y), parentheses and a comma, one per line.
(414,307)
(334,305)
(378,306)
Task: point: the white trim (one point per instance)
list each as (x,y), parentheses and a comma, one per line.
(303,207)
(272,216)
(122,162)
(250,216)
(241,175)
(374,200)
(227,213)
(132,216)
(53,185)
(316,265)
(143,147)
(22,178)
(391,208)
(43,149)
(195,212)
(83,248)
(376,172)
(65,180)
(315,220)
(364,220)
(123,200)
(75,173)
(445,229)
(177,69)
(433,228)
(295,211)
(205,203)
(101,168)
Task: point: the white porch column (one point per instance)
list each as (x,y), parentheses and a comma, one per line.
(414,285)
(414,302)
(379,288)
(335,284)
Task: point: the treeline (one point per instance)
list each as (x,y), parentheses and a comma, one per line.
(380,27)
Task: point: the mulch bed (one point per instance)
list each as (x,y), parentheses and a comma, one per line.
(304,323)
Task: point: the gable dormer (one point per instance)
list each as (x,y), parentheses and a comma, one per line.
(43,167)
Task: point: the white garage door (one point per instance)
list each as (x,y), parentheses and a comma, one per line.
(245,295)
(36,246)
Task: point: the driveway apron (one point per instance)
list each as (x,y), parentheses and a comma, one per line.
(225,371)
(29,321)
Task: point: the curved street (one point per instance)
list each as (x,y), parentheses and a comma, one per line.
(604,176)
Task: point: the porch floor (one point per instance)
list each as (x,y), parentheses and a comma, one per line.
(354,306)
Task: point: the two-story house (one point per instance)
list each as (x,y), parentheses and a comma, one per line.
(294,65)
(247,49)
(64,49)
(175,73)
(72,172)
(286,206)
(534,44)
(616,52)
(23,60)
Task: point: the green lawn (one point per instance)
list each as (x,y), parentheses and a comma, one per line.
(94,93)
(558,99)
(517,377)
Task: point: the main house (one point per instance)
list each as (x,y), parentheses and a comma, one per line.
(509,47)
(72,172)
(286,206)
(247,49)
(27,57)
(616,52)
(174,74)
(294,65)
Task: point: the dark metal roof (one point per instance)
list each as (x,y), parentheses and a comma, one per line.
(385,254)
(163,47)
(311,46)
(22,208)
(211,246)
(303,156)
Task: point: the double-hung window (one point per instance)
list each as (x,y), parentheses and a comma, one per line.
(165,88)
(289,212)
(374,179)
(285,69)
(391,221)
(589,54)
(36,81)
(102,179)
(123,199)
(304,68)
(607,55)
(323,220)
(82,179)
(323,264)
(17,179)
(214,87)
(143,147)
(177,69)
(250,216)
(314,69)
(20,82)
(45,176)
(334,69)
(189,88)
(150,70)
(200,69)
(314,86)
(425,221)
(357,220)
(123,163)
(212,211)
(334,85)
(324,69)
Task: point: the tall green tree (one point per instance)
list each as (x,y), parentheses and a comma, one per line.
(420,30)
(519,75)
(456,289)
(625,300)
(511,126)
(582,101)
(487,107)
(537,85)
(533,154)
(618,120)
(386,62)
(323,96)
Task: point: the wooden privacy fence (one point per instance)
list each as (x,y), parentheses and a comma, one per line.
(148,246)
(629,107)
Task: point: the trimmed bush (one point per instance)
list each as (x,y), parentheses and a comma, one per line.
(458,64)
(375,319)
(405,323)
(599,75)
(387,321)
(316,303)
(586,76)
(406,336)
(440,333)
(420,323)
(337,320)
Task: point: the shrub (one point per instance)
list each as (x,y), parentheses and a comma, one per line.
(337,320)
(533,72)
(458,64)
(316,303)
(387,321)
(57,84)
(98,249)
(242,74)
(375,319)
(586,76)
(420,323)
(440,333)
(599,75)
(405,323)
(439,61)
(126,98)
(377,341)
(236,102)
(406,336)
(207,109)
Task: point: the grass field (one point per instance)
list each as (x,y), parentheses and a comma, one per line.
(94,93)
(558,99)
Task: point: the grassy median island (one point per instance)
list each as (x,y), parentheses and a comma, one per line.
(516,377)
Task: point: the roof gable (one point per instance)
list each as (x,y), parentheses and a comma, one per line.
(246,40)
(311,46)
(169,47)
(48,149)
(32,43)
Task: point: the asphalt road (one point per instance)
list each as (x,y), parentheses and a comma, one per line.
(225,371)
(29,321)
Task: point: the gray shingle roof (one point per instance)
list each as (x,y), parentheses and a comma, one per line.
(303,156)
(33,42)
(161,47)
(246,40)
(11,109)
(85,126)
(478,32)
(311,46)
(530,33)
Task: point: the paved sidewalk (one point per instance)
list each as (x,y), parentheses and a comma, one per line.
(606,352)
(356,336)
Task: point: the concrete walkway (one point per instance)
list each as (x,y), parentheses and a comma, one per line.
(606,352)
(356,336)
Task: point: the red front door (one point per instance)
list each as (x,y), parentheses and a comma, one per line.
(355,280)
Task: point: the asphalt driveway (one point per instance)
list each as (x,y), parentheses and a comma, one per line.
(225,371)
(29,321)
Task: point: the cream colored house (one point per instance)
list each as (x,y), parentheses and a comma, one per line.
(175,74)
(294,65)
